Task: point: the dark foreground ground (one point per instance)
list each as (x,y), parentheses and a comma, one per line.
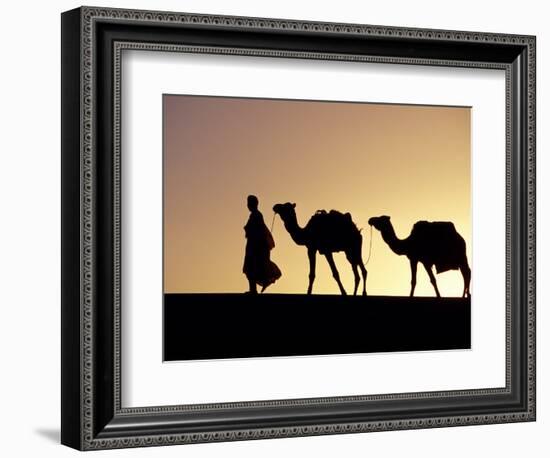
(205,326)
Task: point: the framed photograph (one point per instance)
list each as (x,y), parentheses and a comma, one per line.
(276,228)
(223,151)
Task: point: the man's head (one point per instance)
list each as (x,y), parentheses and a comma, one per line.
(252,202)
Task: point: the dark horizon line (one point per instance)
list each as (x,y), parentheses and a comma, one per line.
(359,297)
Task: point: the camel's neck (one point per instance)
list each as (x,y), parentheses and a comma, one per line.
(296,232)
(398,246)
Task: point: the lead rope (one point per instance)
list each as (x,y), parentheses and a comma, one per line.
(370,246)
(273,222)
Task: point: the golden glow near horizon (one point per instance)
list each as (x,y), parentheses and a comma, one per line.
(406,161)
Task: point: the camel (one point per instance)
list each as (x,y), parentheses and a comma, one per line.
(326,233)
(430,243)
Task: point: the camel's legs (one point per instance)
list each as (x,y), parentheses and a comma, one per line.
(466,274)
(432,278)
(335,273)
(356,262)
(414,264)
(355,277)
(311,255)
(364,273)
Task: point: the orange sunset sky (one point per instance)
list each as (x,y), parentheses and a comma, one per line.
(406,161)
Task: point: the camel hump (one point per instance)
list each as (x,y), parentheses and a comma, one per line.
(346,215)
(440,233)
(435,226)
(341,216)
(334,219)
(334,213)
(337,213)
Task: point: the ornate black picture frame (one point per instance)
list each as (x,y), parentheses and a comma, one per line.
(92,42)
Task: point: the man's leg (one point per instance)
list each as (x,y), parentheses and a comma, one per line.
(252,286)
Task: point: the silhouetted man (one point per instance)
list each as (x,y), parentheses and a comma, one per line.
(258,268)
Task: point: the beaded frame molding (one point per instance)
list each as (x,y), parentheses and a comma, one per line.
(92,42)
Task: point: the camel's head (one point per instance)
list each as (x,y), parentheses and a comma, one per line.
(285,210)
(379,222)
